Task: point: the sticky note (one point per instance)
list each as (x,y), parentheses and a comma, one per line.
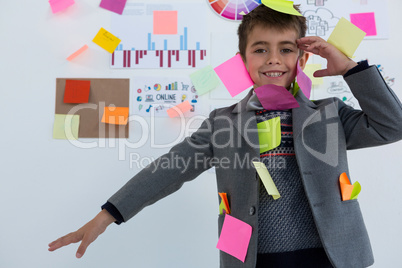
(303,81)
(242,13)
(225,202)
(179,109)
(116,6)
(346,37)
(365,22)
(106,40)
(269,134)
(204,80)
(115,115)
(77,91)
(356,190)
(78,52)
(66,126)
(59,5)
(222,208)
(165,22)
(234,75)
(235,237)
(266,179)
(309,70)
(273,97)
(346,187)
(281,6)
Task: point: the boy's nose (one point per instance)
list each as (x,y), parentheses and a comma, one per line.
(273,58)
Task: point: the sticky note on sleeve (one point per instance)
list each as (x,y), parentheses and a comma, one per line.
(106,40)
(235,237)
(346,37)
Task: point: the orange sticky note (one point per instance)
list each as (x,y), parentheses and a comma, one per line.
(179,109)
(165,22)
(77,91)
(346,186)
(78,52)
(115,115)
(225,202)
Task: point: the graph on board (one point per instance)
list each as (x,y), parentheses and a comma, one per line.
(231,9)
(141,47)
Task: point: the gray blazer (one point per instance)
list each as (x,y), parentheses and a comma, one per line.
(323,130)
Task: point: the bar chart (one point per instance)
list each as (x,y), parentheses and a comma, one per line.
(141,48)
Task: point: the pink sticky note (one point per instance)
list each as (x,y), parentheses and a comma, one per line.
(165,22)
(179,109)
(235,237)
(234,75)
(78,52)
(303,81)
(273,97)
(365,21)
(59,5)
(116,6)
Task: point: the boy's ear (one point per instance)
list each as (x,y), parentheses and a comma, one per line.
(244,60)
(303,60)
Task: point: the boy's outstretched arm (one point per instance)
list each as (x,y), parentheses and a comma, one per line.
(337,62)
(87,233)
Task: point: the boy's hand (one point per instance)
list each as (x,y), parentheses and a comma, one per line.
(337,62)
(87,233)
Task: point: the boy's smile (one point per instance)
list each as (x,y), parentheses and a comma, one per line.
(271,56)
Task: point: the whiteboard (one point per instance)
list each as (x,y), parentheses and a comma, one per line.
(52,187)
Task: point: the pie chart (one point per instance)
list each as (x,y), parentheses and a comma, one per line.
(230,9)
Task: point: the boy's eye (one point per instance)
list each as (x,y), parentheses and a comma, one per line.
(286,50)
(261,50)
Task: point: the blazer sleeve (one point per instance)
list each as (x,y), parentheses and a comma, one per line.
(184,162)
(380,120)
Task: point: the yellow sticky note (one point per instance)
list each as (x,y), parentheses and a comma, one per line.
(282,6)
(309,71)
(115,115)
(66,126)
(356,190)
(266,179)
(346,37)
(269,134)
(242,13)
(106,40)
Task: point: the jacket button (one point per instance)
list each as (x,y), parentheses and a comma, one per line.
(252,211)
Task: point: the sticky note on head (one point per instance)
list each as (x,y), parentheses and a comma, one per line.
(59,5)
(204,80)
(346,37)
(106,40)
(66,126)
(116,6)
(164,22)
(282,6)
(235,237)
(115,115)
(77,91)
(234,75)
(365,22)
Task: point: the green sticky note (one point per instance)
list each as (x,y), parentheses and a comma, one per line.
(222,207)
(66,126)
(269,134)
(346,37)
(266,179)
(281,6)
(356,190)
(205,80)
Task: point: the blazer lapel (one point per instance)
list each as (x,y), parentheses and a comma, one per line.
(302,115)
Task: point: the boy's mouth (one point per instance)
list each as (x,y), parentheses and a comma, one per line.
(273,74)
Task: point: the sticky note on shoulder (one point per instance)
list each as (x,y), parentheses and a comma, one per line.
(106,40)
(346,37)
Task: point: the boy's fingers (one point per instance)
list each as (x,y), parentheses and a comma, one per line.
(64,241)
(321,73)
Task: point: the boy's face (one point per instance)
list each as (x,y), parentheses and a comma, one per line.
(271,56)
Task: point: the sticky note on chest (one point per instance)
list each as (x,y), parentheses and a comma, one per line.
(269,134)
(106,40)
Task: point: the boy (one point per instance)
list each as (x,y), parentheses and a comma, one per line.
(309,226)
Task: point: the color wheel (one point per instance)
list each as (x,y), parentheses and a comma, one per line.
(230,9)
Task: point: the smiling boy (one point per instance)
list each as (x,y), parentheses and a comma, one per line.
(309,225)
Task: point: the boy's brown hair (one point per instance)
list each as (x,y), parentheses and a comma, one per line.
(267,17)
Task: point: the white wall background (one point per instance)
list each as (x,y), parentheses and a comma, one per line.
(50,187)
